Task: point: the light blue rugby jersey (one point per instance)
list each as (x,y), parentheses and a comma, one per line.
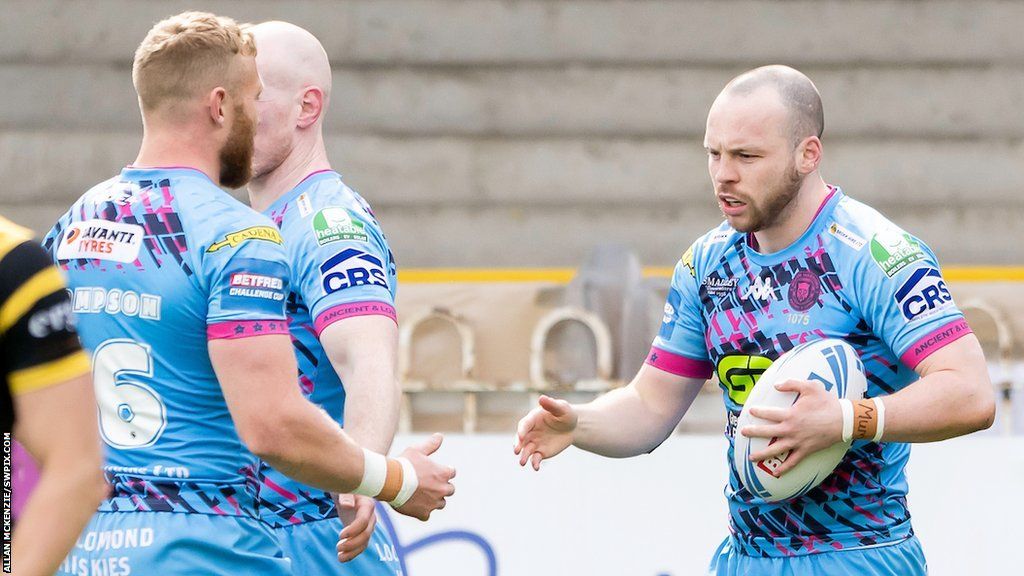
(732,310)
(158,262)
(341,267)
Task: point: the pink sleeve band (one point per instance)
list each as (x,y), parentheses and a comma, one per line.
(342,311)
(679,365)
(245,329)
(934,341)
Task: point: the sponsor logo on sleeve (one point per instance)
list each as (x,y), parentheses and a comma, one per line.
(101,240)
(334,224)
(893,251)
(304,204)
(846,237)
(233,239)
(923,294)
(350,268)
(256,286)
(668,320)
(687,260)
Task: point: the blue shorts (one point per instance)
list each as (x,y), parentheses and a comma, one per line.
(172,543)
(313,549)
(901,559)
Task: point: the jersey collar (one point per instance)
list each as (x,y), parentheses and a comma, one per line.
(796,249)
(303,186)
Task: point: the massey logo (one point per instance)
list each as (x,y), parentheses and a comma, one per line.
(101,240)
(719,286)
(265,233)
(350,268)
(334,224)
(923,294)
(761,289)
(256,281)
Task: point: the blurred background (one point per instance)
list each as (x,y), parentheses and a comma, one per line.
(538,166)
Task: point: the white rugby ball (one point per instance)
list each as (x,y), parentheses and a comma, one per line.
(836,365)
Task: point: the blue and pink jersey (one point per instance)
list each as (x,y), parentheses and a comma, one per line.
(341,267)
(732,310)
(159,261)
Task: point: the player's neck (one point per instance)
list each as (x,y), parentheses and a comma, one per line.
(165,149)
(265,189)
(797,217)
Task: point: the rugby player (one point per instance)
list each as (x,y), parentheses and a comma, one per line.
(340,304)
(796,260)
(180,293)
(47,400)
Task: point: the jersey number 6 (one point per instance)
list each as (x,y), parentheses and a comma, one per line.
(131,414)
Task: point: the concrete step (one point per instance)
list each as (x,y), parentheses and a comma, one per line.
(457,32)
(577,101)
(407,172)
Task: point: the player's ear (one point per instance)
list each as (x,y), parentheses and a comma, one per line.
(312,106)
(808,155)
(215,105)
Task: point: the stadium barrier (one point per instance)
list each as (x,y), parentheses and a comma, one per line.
(664,513)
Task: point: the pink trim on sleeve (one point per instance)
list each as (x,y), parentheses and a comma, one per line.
(934,341)
(245,329)
(342,311)
(679,365)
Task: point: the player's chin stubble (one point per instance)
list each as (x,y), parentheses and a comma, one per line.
(236,154)
(776,200)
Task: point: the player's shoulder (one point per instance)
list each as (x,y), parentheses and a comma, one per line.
(328,211)
(867,237)
(710,247)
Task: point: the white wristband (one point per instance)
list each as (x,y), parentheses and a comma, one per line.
(375,472)
(881,419)
(409,484)
(847,407)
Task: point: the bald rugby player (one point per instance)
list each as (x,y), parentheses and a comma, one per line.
(340,304)
(796,260)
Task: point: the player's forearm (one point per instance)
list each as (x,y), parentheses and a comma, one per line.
(942,405)
(307,445)
(621,424)
(63,501)
(371,416)
(364,352)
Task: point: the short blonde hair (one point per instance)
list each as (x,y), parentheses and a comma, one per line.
(186,54)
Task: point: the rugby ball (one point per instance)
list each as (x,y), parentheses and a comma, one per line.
(834,364)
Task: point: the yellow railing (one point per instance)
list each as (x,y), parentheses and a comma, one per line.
(564,275)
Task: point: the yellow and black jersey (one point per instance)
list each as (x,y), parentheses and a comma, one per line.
(38,345)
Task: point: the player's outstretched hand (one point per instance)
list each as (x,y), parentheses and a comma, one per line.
(812,423)
(434,480)
(359,516)
(545,431)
